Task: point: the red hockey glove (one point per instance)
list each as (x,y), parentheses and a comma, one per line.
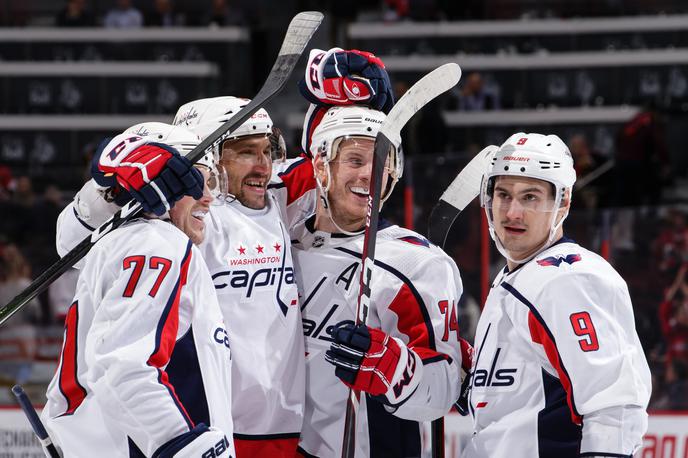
(338,77)
(466,364)
(369,360)
(152,173)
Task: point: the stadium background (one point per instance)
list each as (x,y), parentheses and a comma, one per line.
(609,76)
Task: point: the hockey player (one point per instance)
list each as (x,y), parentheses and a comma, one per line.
(247,250)
(559,370)
(408,356)
(145,363)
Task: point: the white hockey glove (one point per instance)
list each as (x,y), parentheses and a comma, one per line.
(200,442)
(369,360)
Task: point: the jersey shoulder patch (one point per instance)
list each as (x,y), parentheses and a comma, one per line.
(556,261)
(415,240)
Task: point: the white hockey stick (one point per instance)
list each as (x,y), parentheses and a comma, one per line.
(460,193)
(426,89)
(299,33)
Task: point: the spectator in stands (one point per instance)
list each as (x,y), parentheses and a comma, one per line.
(223,14)
(474,96)
(75,14)
(673,315)
(585,161)
(123,16)
(6,182)
(18,334)
(670,246)
(642,159)
(23,192)
(163,15)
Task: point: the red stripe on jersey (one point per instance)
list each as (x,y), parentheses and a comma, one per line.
(274,448)
(540,336)
(166,335)
(69,385)
(298,179)
(411,323)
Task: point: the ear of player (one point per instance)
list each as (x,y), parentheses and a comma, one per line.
(156,175)
(369,360)
(339,77)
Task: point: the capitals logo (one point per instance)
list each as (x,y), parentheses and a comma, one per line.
(557,260)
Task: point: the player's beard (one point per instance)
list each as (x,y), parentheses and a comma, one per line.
(249,198)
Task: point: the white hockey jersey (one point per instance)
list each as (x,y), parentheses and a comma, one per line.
(558,369)
(248,253)
(145,356)
(415,289)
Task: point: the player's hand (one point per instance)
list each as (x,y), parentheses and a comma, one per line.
(152,173)
(338,77)
(369,360)
(199,442)
(466,364)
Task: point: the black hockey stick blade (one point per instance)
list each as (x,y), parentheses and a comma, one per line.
(460,193)
(426,89)
(299,33)
(35,421)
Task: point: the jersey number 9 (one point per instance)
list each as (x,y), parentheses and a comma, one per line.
(583,327)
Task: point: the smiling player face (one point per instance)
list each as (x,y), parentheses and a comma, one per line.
(188,213)
(350,183)
(248,163)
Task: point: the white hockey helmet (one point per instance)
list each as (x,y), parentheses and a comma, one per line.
(204,116)
(343,122)
(543,157)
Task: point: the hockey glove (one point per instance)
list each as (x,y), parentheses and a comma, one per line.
(338,77)
(152,173)
(197,443)
(466,364)
(369,360)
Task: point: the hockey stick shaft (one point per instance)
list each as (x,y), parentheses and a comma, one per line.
(426,89)
(299,33)
(35,421)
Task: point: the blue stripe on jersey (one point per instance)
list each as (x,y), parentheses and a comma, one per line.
(391,436)
(159,331)
(134,451)
(557,434)
(76,215)
(538,317)
(184,373)
(414,291)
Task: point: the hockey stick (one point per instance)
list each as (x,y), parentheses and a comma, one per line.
(299,33)
(460,193)
(35,421)
(426,89)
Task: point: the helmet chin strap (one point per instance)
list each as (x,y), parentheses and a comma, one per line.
(553,228)
(326,202)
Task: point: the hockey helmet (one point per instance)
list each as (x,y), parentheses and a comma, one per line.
(343,122)
(543,157)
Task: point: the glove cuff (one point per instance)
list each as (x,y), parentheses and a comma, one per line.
(407,376)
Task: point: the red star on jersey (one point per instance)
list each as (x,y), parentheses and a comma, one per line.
(259,249)
(242,250)
(277,247)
